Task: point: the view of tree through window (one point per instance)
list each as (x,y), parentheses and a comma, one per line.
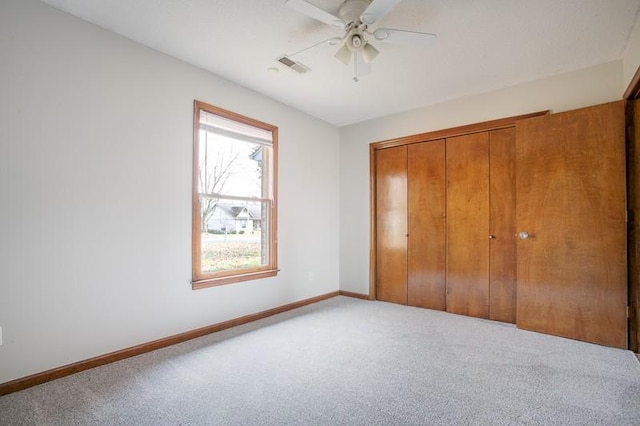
(234,194)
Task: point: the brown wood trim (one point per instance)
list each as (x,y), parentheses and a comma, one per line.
(236,278)
(233,115)
(633,211)
(196,248)
(457,131)
(372,223)
(67,370)
(354,295)
(633,90)
(274,210)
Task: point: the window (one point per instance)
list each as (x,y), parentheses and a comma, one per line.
(234,197)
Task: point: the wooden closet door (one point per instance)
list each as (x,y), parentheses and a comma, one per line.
(391,224)
(467,168)
(427,244)
(571,201)
(502,224)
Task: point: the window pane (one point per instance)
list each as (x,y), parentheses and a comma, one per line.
(235,234)
(229,166)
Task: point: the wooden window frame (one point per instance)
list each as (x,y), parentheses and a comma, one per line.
(204,280)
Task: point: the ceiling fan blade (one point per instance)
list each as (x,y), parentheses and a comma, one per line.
(315,12)
(377,9)
(333,41)
(390,35)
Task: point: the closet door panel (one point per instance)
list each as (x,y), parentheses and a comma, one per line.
(571,201)
(391,224)
(467,269)
(427,244)
(502,244)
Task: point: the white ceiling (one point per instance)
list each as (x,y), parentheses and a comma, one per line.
(482,45)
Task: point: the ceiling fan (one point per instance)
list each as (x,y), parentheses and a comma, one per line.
(355,17)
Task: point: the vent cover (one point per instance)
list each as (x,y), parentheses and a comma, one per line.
(296,66)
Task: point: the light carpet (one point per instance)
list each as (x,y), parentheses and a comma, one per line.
(352,362)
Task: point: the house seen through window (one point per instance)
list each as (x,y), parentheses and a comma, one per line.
(234,197)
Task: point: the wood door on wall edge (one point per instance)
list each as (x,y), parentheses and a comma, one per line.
(571,201)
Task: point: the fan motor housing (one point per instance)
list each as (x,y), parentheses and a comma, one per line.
(351,10)
(355,40)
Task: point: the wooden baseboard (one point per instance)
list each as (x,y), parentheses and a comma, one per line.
(76,367)
(355,295)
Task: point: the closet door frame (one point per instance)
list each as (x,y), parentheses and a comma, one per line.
(418,138)
(632,94)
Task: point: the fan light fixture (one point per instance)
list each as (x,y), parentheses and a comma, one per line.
(369,53)
(355,17)
(344,55)
(354,43)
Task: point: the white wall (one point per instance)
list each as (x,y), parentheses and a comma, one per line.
(631,56)
(590,86)
(95,194)
(95,175)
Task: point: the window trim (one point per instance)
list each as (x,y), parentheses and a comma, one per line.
(205,280)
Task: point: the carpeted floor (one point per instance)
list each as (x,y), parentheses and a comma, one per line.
(352,362)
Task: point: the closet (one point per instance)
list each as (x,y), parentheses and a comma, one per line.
(519,220)
(445,224)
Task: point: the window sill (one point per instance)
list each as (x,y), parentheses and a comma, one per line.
(230,279)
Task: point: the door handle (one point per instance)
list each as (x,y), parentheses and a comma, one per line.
(524,235)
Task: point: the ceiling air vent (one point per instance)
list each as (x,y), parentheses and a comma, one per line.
(296,66)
